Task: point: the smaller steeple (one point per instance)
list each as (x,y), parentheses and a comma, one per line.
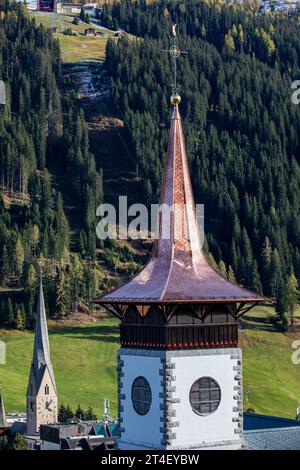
(3,422)
(41,345)
(41,351)
(41,390)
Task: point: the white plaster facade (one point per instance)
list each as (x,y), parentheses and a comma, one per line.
(171,422)
(142,430)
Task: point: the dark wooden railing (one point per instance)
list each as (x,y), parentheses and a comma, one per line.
(179,336)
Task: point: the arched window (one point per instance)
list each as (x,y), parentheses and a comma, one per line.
(47,389)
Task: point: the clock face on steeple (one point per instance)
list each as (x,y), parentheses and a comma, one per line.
(46,407)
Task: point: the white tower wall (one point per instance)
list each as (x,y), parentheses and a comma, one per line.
(171,422)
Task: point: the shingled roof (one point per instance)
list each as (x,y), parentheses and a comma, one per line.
(178,270)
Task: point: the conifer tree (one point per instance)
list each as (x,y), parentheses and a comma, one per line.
(292,294)
(62,294)
(90,415)
(231,275)
(79,413)
(10,311)
(222,268)
(19,442)
(19,319)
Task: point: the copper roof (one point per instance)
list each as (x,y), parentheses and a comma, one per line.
(178,270)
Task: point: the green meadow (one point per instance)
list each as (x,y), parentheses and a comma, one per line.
(75,48)
(84,360)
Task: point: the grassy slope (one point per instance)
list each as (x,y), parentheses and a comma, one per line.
(269,373)
(84,359)
(74,48)
(77,48)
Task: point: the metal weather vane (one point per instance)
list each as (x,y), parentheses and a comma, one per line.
(174,52)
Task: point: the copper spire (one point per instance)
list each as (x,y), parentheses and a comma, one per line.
(178,270)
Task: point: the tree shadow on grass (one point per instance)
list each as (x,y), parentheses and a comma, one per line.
(107,333)
(258,323)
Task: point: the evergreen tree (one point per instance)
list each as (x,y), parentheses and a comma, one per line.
(69,414)
(266,264)
(281,306)
(292,294)
(231,275)
(90,415)
(62,414)
(10,311)
(62,294)
(275,273)
(19,319)
(19,442)
(4,444)
(222,268)
(255,283)
(79,413)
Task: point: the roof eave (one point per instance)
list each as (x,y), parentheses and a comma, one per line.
(180,301)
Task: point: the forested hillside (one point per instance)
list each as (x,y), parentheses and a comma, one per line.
(242,134)
(242,130)
(44,148)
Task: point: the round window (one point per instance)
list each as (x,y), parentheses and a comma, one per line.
(141,395)
(205,396)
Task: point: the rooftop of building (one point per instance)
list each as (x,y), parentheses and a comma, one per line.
(102,429)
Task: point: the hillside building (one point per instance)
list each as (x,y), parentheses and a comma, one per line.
(89,32)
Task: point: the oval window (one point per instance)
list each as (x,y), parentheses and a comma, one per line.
(141,395)
(205,396)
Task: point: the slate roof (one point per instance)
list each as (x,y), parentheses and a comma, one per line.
(273,439)
(262,432)
(41,350)
(178,270)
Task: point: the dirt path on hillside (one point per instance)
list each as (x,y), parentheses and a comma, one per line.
(108,136)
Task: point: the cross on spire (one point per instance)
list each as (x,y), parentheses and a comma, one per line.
(174,52)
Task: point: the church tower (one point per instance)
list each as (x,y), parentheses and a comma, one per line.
(3,422)
(179,365)
(41,390)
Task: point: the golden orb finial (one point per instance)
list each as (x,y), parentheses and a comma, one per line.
(175,99)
